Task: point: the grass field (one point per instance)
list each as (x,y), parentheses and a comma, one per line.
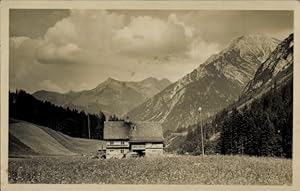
(31,139)
(164,170)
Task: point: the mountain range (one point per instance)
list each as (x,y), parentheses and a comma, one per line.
(212,86)
(247,65)
(111,97)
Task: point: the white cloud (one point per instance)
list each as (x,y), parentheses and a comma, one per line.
(16,42)
(22,56)
(50,53)
(81,33)
(187,29)
(49,85)
(105,44)
(201,50)
(146,36)
(87,36)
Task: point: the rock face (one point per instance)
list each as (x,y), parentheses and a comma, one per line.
(278,67)
(213,85)
(111,96)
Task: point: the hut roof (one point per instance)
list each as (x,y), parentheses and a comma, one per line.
(116,130)
(146,132)
(135,132)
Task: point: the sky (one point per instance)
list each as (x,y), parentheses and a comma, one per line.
(73,50)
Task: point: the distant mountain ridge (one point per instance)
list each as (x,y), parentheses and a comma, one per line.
(111,96)
(213,85)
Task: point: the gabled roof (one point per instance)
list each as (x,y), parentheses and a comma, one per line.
(116,130)
(135,132)
(146,132)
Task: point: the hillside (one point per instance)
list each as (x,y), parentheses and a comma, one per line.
(25,107)
(29,139)
(278,67)
(111,96)
(215,84)
(261,122)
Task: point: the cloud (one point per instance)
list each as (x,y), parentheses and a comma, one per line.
(81,50)
(188,30)
(49,85)
(146,36)
(16,42)
(87,36)
(84,47)
(200,50)
(21,55)
(51,53)
(73,38)
(23,68)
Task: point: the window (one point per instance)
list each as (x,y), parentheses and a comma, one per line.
(133,127)
(111,142)
(122,151)
(122,142)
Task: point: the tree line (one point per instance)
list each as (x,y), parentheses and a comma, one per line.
(262,128)
(72,122)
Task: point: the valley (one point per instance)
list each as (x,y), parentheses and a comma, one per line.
(243,90)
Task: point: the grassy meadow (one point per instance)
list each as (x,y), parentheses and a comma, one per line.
(164,170)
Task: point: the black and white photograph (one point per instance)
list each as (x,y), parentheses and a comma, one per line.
(150,96)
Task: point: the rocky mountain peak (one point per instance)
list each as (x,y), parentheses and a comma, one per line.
(213,85)
(111,80)
(150,79)
(238,60)
(248,45)
(108,82)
